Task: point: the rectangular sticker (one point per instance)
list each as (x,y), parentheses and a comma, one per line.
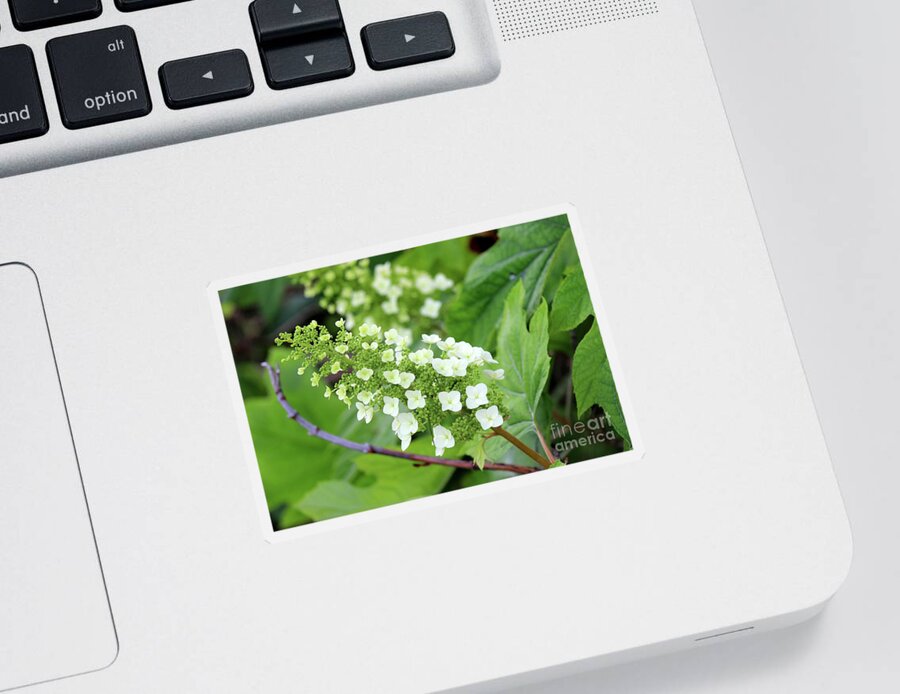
(427,369)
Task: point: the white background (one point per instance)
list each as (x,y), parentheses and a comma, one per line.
(812,91)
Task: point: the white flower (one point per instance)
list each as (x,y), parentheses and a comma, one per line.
(446,344)
(442,282)
(497,375)
(383,270)
(463,350)
(476,396)
(431,308)
(405,425)
(421,357)
(450,401)
(369,330)
(392,376)
(424,283)
(393,337)
(489,417)
(459,366)
(406,379)
(387,356)
(443,439)
(341,349)
(390,307)
(364,373)
(414,399)
(364,396)
(364,411)
(391,406)
(335,367)
(443,366)
(431,339)
(381,284)
(357,299)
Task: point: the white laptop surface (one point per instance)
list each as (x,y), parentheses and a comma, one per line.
(469,365)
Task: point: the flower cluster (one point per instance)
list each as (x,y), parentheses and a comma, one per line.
(446,387)
(389,293)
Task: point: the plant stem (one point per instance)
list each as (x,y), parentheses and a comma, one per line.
(313,430)
(544,445)
(527,450)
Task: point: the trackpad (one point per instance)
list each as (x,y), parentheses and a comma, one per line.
(55,619)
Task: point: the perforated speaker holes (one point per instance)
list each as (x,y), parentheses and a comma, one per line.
(522,19)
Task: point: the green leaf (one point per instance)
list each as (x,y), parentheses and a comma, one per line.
(572,303)
(291,462)
(389,481)
(522,352)
(525,253)
(593,381)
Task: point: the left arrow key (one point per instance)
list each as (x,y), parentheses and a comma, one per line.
(206,79)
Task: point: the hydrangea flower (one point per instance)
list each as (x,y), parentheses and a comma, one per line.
(442,438)
(364,412)
(421,357)
(404,426)
(489,417)
(414,399)
(452,389)
(497,375)
(431,308)
(476,396)
(450,401)
(391,406)
(393,337)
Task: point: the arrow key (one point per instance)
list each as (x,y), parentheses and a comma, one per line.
(297,64)
(206,79)
(274,20)
(408,40)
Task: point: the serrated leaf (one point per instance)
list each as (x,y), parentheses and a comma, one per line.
(593,381)
(525,253)
(572,303)
(522,352)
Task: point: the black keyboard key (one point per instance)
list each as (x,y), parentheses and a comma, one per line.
(37,14)
(131,5)
(206,79)
(22,111)
(99,77)
(408,40)
(283,19)
(297,64)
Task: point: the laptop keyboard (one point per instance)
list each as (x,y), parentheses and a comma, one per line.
(102,76)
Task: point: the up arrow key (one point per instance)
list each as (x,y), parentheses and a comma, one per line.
(408,37)
(296,9)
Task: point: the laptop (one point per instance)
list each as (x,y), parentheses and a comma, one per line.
(386,347)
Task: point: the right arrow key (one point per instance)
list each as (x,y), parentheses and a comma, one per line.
(408,40)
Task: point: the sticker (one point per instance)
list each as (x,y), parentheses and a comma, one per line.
(432,370)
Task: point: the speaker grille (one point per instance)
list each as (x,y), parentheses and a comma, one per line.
(521,19)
